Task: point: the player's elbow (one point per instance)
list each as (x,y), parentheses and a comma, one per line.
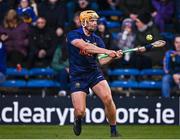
(81,44)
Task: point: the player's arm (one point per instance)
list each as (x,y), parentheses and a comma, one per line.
(108,60)
(91,48)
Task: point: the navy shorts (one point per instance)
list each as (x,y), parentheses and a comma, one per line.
(83,82)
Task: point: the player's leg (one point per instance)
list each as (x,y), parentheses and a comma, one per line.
(102,90)
(79,104)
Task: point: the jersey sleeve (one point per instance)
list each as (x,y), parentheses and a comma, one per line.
(72,35)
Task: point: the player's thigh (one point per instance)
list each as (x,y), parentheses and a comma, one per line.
(79,100)
(102,90)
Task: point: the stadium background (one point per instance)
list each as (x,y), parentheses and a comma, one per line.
(28,93)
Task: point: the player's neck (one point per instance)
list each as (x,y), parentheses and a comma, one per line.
(86,32)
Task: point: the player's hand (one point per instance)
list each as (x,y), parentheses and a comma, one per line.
(141,49)
(119,54)
(111,53)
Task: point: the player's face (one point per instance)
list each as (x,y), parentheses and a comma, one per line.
(92,25)
(177,44)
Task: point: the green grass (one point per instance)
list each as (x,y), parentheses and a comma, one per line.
(89,132)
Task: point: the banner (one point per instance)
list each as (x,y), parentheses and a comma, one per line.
(59,110)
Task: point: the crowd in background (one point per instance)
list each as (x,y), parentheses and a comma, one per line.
(33,32)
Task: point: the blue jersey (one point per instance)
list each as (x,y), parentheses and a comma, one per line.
(80,63)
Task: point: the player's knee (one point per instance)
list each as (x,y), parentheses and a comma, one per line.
(80,112)
(108,100)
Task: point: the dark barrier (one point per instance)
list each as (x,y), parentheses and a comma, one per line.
(58,110)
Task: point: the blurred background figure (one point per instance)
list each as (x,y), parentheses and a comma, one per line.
(3,58)
(125,40)
(110,5)
(42,45)
(26,12)
(163,12)
(17,41)
(104,33)
(76,22)
(171,68)
(82,5)
(132,8)
(61,66)
(145,27)
(54,12)
(34,5)
(74,6)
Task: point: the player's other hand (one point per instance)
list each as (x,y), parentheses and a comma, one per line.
(119,54)
(141,49)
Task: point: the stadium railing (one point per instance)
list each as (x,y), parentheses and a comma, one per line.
(133,79)
(43,78)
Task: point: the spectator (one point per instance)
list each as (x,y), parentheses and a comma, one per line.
(82,5)
(55,14)
(17,41)
(163,13)
(125,40)
(74,6)
(26,12)
(3,58)
(145,26)
(76,21)
(104,33)
(132,8)
(34,5)
(110,5)
(171,68)
(41,45)
(61,65)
